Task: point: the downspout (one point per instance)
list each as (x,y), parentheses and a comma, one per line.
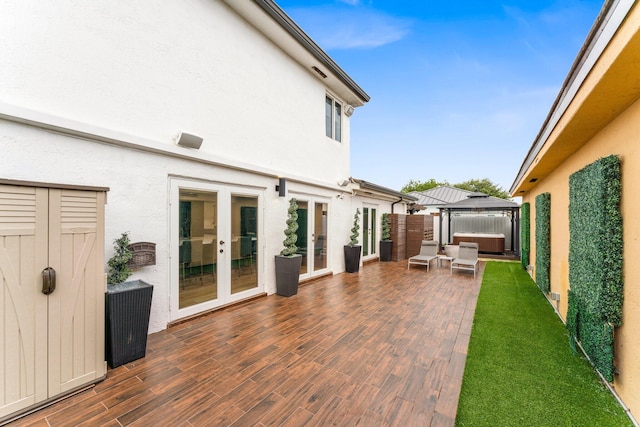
(392,204)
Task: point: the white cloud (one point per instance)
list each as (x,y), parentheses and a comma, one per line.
(350,28)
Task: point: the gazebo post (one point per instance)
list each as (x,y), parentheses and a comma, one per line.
(440,228)
(448,225)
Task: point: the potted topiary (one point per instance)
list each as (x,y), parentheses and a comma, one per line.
(289,261)
(352,250)
(386,244)
(127,308)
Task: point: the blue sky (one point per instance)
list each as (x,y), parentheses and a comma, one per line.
(459,89)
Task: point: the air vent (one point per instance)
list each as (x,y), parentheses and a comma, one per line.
(533,179)
(319,71)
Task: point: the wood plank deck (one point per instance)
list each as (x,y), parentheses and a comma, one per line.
(382,347)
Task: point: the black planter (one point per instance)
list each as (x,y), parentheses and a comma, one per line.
(385,250)
(127,310)
(287,274)
(352,258)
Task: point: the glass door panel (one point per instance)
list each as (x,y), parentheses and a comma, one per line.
(321,211)
(368,231)
(244,243)
(197,252)
(312,236)
(303,234)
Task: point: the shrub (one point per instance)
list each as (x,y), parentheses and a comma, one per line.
(119,271)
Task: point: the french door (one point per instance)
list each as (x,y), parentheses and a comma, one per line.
(313,218)
(369,234)
(215,245)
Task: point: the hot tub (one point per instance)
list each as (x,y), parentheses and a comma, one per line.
(487,242)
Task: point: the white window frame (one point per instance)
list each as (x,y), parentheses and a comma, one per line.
(333,120)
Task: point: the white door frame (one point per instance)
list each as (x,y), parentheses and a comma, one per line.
(375,226)
(223,270)
(312,201)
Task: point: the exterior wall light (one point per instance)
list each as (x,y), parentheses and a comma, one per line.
(281,187)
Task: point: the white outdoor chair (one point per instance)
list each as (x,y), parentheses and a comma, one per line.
(467,257)
(428,252)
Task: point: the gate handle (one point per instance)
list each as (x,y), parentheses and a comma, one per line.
(48,280)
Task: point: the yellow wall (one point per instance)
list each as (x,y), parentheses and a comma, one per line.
(602,119)
(621,137)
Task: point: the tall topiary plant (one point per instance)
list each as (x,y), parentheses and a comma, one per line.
(118,268)
(386,245)
(386,230)
(289,261)
(352,250)
(355,230)
(289,242)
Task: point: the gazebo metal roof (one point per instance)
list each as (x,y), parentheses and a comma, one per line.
(480,202)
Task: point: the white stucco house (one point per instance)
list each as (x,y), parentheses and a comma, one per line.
(198,120)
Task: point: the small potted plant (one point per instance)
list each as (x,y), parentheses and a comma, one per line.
(352,250)
(451,250)
(386,244)
(289,261)
(127,308)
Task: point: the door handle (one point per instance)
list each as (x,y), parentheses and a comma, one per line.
(48,281)
(222,242)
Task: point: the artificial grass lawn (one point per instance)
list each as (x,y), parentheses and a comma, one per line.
(520,370)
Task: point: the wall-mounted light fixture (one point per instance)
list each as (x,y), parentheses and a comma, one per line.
(188,140)
(349,110)
(281,187)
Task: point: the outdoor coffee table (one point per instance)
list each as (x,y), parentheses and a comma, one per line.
(444,257)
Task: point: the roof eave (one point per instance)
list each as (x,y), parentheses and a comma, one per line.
(368,188)
(286,23)
(611,14)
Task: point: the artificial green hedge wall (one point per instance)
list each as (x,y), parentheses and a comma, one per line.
(595,260)
(543,241)
(525,234)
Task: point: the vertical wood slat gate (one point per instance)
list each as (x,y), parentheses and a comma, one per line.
(50,344)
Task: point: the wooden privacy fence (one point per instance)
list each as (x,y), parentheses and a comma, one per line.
(407,233)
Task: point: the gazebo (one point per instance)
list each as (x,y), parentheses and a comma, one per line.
(482,214)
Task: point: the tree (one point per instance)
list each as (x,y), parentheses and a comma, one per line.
(483,186)
(476,185)
(414,185)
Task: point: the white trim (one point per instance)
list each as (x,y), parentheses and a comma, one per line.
(69,127)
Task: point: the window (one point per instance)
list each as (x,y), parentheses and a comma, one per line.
(333,119)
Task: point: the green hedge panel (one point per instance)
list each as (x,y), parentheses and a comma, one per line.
(525,234)
(543,241)
(595,260)
(596,338)
(595,230)
(572,319)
